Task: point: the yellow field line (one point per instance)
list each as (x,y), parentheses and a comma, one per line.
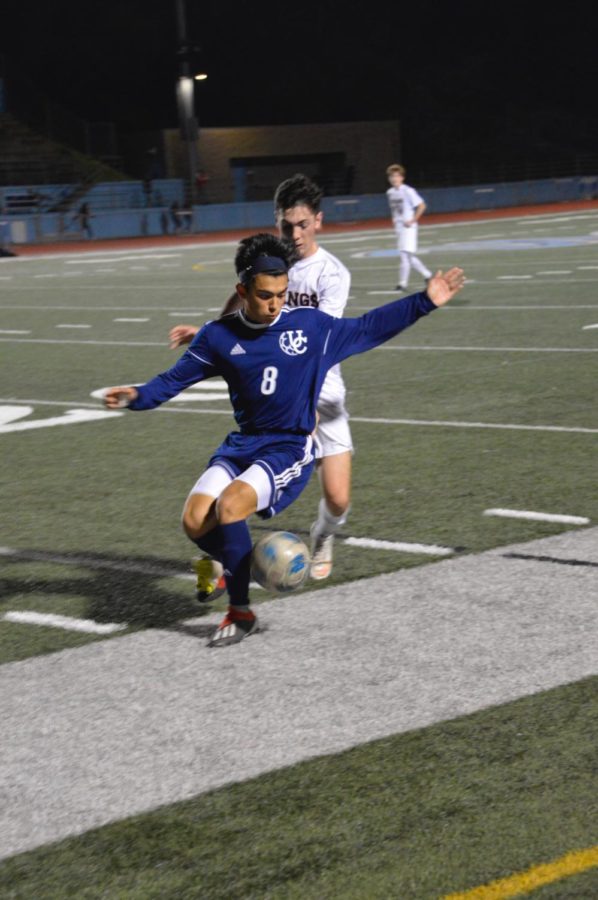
(525,882)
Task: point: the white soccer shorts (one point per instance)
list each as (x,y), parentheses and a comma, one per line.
(333,434)
(407,238)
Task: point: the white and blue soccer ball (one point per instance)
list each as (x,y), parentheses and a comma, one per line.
(280,562)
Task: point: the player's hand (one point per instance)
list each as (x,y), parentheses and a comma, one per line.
(119,397)
(181,334)
(443,286)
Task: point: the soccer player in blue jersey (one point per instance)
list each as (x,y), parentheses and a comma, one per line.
(274,360)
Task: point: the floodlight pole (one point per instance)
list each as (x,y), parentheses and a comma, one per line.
(185,92)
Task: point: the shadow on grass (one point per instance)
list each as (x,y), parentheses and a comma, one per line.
(117,589)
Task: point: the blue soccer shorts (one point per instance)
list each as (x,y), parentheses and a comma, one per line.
(277,466)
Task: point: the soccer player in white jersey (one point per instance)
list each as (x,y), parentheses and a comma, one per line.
(320,281)
(274,361)
(406,209)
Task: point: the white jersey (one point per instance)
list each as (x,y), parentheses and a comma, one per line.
(322,282)
(403,202)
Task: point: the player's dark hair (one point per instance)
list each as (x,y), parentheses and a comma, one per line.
(299,190)
(264,245)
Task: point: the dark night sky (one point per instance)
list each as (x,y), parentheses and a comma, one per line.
(510,80)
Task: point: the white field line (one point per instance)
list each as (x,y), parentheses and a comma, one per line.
(489,307)
(74,325)
(99,255)
(537,516)
(439,349)
(83,343)
(442,424)
(115,258)
(513,277)
(12,331)
(555,272)
(586,267)
(130,320)
(50,620)
(438,423)
(446,348)
(399,546)
(587,327)
(92,308)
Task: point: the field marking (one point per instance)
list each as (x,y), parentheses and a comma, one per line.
(536,516)
(513,277)
(525,882)
(12,331)
(588,327)
(70,417)
(446,348)
(423,347)
(130,320)
(400,546)
(51,620)
(73,325)
(488,307)
(439,423)
(83,343)
(442,424)
(12,413)
(97,260)
(556,272)
(115,690)
(94,308)
(586,267)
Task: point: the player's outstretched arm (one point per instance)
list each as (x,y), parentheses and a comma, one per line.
(443,286)
(119,397)
(181,334)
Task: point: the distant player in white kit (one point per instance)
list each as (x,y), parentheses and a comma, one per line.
(320,281)
(406,209)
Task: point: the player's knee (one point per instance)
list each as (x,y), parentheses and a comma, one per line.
(236,503)
(338,504)
(195,517)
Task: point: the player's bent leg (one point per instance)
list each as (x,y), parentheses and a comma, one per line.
(266,487)
(236,503)
(201,526)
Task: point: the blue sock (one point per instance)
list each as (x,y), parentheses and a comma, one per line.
(211,543)
(235,556)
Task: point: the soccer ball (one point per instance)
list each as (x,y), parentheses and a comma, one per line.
(280,562)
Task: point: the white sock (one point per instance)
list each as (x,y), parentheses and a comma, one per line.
(326,522)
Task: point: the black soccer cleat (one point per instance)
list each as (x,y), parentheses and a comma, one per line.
(234,628)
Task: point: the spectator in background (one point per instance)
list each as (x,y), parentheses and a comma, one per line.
(83,219)
(176,216)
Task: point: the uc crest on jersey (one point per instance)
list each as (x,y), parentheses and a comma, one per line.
(293,343)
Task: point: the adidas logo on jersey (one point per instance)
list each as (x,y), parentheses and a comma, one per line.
(237,349)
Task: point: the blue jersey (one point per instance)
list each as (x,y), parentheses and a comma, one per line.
(275,373)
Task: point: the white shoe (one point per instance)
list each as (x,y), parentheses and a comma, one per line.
(322,546)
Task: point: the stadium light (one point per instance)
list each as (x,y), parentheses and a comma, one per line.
(201,76)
